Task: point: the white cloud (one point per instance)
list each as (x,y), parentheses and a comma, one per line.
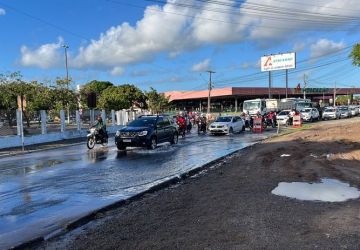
(157,32)
(324,46)
(2,12)
(172,29)
(46,56)
(117,71)
(299,46)
(201,66)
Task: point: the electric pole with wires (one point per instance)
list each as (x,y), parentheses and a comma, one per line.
(210,86)
(305,84)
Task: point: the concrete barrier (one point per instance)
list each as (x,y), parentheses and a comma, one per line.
(15,141)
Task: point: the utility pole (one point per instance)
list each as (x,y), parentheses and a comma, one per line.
(67,78)
(287,81)
(210,88)
(270,85)
(305,85)
(334,95)
(66,63)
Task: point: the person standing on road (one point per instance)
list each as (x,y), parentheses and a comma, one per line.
(291,116)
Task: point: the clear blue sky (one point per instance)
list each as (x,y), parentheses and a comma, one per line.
(170,45)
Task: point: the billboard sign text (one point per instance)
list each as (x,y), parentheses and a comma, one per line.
(278,62)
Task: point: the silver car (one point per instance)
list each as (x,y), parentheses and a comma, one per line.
(309,114)
(227,125)
(345,112)
(331,113)
(283,117)
(354,110)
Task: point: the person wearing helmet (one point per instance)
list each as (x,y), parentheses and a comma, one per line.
(181,122)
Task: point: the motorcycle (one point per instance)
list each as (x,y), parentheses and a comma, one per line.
(95,138)
(189,127)
(182,128)
(270,122)
(201,126)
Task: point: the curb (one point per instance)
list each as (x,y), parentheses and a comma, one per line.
(53,146)
(15,153)
(94,214)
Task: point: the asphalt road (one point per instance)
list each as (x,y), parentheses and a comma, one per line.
(41,192)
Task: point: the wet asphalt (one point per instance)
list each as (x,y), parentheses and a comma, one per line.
(42,192)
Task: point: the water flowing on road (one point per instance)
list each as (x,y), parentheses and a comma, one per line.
(42,192)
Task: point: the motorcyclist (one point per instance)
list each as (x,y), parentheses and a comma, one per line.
(291,115)
(202,123)
(101,127)
(188,122)
(181,122)
(272,118)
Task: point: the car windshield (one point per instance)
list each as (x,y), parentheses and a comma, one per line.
(252,105)
(329,110)
(344,108)
(305,110)
(223,119)
(284,113)
(143,122)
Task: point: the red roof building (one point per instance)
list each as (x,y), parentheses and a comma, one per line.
(231,98)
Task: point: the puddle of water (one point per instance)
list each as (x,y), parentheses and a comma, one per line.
(328,190)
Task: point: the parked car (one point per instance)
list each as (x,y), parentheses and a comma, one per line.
(227,125)
(331,113)
(344,112)
(147,131)
(354,110)
(309,114)
(283,117)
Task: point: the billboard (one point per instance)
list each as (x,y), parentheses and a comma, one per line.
(278,62)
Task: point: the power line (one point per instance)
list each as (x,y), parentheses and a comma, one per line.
(228,22)
(267,11)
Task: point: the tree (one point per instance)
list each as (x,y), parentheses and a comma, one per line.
(11,86)
(121,97)
(64,98)
(93,87)
(355,55)
(343,99)
(157,102)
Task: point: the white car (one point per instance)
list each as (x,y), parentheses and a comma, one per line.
(354,110)
(344,112)
(310,114)
(227,125)
(283,117)
(331,113)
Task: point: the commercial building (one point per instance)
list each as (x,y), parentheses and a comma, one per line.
(232,98)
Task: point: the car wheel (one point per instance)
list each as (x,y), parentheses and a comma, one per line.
(231,131)
(175,139)
(121,147)
(243,128)
(311,119)
(153,143)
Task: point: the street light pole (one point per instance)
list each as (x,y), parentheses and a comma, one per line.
(66,63)
(210,88)
(67,79)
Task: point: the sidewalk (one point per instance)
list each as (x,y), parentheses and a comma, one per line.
(43,146)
